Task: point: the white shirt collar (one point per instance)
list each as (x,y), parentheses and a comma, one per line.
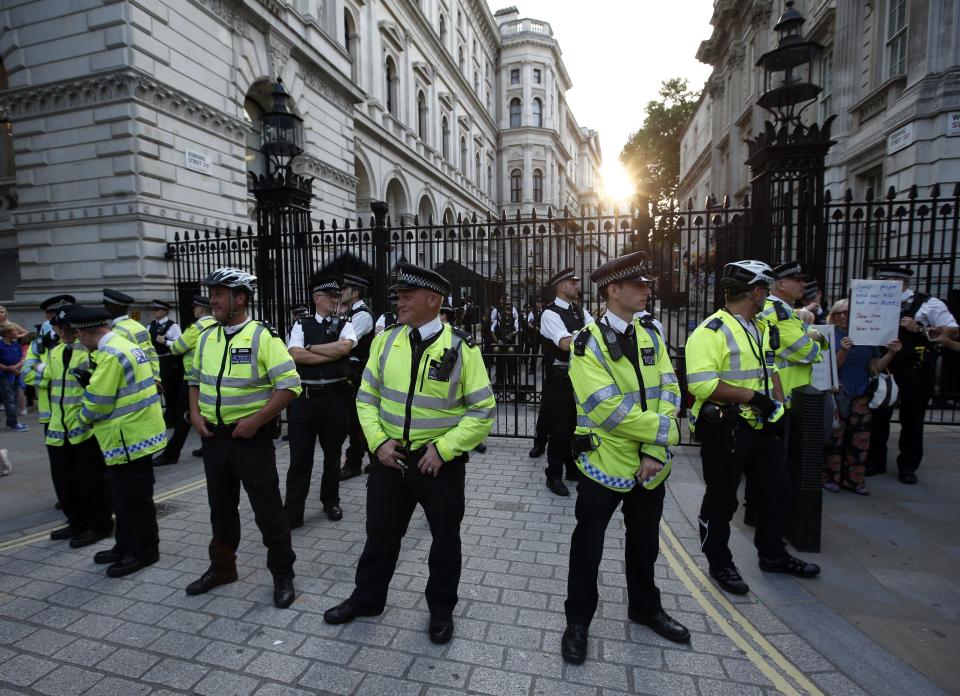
(358,303)
(206,316)
(432,327)
(321,319)
(561,303)
(118,319)
(106,337)
(236,328)
(906,295)
(776,298)
(615,322)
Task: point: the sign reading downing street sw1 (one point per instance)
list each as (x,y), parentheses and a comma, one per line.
(953,123)
(198,161)
(874,311)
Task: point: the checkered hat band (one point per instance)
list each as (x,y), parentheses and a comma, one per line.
(58,304)
(421,282)
(790,270)
(325,286)
(565,276)
(93,324)
(111,300)
(622,274)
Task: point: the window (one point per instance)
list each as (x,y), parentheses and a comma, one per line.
(446,139)
(422,116)
(460,60)
(477,170)
(515,76)
(490,181)
(443,30)
(872,179)
(459,20)
(537,186)
(537,27)
(256,162)
(392,82)
(826,82)
(536,75)
(896,37)
(350,42)
(538,113)
(476,82)
(515,113)
(463,156)
(516,186)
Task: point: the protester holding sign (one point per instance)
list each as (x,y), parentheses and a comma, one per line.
(922,319)
(847,455)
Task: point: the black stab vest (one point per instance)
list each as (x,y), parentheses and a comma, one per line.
(362,350)
(572,318)
(315,332)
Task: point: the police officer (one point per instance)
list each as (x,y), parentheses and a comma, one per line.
(184,346)
(163,332)
(320,346)
(121,403)
(922,318)
(76,463)
(627,399)
(39,351)
(559,320)
(799,349)
(242,379)
(425,401)
(388,318)
(118,304)
(737,419)
(354,288)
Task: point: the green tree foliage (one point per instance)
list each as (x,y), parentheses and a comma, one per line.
(652,154)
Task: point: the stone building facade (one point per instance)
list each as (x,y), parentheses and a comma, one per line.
(890,73)
(126,121)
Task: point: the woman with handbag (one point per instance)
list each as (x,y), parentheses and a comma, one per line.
(847,455)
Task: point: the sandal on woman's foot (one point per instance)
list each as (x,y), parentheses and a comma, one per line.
(860,489)
(831,486)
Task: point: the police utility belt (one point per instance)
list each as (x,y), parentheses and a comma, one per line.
(318,390)
(271,429)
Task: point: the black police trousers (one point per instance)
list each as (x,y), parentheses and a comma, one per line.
(916,388)
(181,426)
(324,415)
(596,504)
(131,490)
(559,411)
(171,379)
(80,482)
(391,500)
(728,450)
(229,463)
(358,442)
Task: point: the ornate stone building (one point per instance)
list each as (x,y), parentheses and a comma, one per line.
(126,121)
(890,73)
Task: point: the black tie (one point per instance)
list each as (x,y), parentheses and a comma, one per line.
(629,331)
(415,336)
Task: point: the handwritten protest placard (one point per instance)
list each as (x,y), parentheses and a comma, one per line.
(874,311)
(825,373)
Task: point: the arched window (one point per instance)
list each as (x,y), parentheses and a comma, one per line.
(477,171)
(538,113)
(446,139)
(476,82)
(392,85)
(537,186)
(516,186)
(515,112)
(490,181)
(352,43)
(460,60)
(422,116)
(443,30)
(463,156)
(254,159)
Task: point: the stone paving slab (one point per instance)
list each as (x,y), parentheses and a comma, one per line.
(65,628)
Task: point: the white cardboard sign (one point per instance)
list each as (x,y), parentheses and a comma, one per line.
(824,375)
(874,311)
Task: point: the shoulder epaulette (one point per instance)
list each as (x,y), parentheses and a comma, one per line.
(580,342)
(782,312)
(269,327)
(714,324)
(464,336)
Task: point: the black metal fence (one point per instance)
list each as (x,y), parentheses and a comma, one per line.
(502,263)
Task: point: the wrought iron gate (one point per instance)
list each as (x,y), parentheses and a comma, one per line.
(503,262)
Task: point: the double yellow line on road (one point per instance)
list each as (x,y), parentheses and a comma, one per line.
(45,534)
(782,673)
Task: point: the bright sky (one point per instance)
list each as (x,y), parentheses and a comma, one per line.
(617,53)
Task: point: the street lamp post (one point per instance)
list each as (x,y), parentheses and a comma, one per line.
(283,213)
(787,159)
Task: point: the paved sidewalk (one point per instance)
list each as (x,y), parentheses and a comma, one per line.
(66,629)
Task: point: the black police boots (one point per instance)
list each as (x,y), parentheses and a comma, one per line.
(573,646)
(209,580)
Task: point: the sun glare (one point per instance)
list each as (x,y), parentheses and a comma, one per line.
(616,181)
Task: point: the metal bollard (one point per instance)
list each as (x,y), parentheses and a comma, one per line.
(805,456)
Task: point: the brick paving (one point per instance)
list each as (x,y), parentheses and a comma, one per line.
(67,629)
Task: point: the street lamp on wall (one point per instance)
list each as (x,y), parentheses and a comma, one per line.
(282,133)
(788,69)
